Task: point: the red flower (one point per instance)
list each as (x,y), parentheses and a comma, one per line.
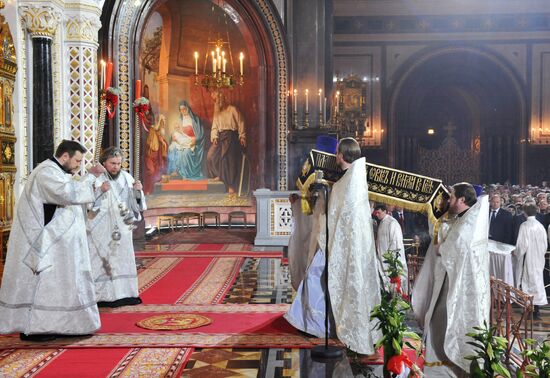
(395,363)
(397,282)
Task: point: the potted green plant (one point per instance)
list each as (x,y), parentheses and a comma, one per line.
(490,351)
(394,270)
(539,357)
(390,314)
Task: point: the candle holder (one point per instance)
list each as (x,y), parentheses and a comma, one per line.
(306,120)
(217,80)
(295,120)
(321,121)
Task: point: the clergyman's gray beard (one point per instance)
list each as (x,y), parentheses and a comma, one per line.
(115,176)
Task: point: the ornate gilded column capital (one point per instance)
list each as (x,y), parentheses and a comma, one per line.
(40,21)
(82,28)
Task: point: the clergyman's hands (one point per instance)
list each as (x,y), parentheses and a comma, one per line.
(105,186)
(97,170)
(138,185)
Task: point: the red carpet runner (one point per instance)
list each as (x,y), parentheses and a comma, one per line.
(204,279)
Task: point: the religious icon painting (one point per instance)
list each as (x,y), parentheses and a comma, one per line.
(205,143)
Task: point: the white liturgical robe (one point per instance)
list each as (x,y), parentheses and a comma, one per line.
(302,244)
(113,262)
(47,285)
(530,250)
(456,297)
(390,237)
(354,284)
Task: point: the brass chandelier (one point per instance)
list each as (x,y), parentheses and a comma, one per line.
(218,70)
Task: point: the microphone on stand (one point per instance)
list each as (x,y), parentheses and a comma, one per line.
(324,352)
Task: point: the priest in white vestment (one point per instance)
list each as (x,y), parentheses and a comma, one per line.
(452,292)
(47,288)
(113,261)
(354,286)
(530,250)
(389,237)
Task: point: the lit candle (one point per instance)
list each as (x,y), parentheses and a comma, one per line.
(218,60)
(138,89)
(320,101)
(295,101)
(337,100)
(307,100)
(108,75)
(223,65)
(241,57)
(325,112)
(102,77)
(196,63)
(213,62)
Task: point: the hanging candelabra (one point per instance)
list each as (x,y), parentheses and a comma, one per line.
(218,70)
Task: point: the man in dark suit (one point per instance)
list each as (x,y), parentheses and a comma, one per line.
(406,221)
(500,222)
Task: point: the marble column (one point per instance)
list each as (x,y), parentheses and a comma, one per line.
(41,23)
(80,49)
(309,27)
(42,100)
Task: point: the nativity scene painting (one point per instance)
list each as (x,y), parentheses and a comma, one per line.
(203,113)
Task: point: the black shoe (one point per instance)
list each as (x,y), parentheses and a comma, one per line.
(536,316)
(130,301)
(61,335)
(38,337)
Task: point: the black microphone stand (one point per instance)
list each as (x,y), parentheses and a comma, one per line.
(326,352)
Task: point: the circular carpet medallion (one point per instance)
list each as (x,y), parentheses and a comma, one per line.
(174,321)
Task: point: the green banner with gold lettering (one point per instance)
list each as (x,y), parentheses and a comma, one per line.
(408,190)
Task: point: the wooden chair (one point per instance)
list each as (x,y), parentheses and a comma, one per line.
(210,214)
(186,217)
(236,215)
(168,218)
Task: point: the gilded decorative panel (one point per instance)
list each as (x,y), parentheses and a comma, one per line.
(8,69)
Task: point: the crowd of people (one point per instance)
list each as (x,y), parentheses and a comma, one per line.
(70,248)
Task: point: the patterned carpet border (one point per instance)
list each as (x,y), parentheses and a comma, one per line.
(24,363)
(215,308)
(152,362)
(155,271)
(221,254)
(213,283)
(171,340)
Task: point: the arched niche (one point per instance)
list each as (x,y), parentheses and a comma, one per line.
(468,93)
(186,27)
